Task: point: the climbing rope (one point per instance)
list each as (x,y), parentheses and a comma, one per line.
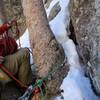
(10,75)
(17,32)
(39,88)
(35,92)
(34,89)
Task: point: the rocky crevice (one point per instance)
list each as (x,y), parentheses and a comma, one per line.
(72,33)
(85,16)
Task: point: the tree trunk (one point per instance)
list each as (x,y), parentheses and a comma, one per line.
(46,51)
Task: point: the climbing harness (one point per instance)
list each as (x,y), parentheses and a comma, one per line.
(35,89)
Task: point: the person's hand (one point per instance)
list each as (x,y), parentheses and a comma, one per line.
(1,59)
(12,22)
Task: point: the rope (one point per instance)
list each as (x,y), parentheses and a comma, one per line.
(38,88)
(17,30)
(35,92)
(40,82)
(19,82)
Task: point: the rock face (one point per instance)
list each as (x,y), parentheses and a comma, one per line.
(14,8)
(54,11)
(47,3)
(85,16)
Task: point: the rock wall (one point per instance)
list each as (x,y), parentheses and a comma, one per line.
(14,8)
(85,16)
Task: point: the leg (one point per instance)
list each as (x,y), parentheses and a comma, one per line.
(19,63)
(25,73)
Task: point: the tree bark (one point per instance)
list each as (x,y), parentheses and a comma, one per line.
(47,53)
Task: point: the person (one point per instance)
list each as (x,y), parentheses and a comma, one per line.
(17,62)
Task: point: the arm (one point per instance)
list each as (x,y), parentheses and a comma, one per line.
(3,28)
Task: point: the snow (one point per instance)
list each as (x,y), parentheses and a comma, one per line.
(50,7)
(75,85)
(71,54)
(24,40)
(60,22)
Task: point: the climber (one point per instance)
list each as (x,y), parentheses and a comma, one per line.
(17,61)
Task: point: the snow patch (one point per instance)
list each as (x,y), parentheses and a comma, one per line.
(77,87)
(61,22)
(24,40)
